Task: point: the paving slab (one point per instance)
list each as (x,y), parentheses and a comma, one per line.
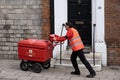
(10,70)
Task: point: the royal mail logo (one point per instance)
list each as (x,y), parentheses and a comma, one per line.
(30,53)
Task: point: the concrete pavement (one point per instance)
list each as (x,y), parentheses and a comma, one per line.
(10,70)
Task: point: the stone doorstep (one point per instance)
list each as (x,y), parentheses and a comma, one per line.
(55,63)
(95,67)
(66,54)
(66,61)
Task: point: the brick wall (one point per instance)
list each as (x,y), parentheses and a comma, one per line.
(45,19)
(112,30)
(19,19)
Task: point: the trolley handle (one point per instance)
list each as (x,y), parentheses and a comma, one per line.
(55,43)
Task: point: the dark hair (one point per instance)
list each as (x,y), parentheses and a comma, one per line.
(69,24)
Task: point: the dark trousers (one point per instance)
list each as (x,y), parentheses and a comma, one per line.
(80,54)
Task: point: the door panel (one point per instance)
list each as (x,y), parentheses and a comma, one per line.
(79,13)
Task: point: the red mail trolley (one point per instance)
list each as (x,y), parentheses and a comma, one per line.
(35,54)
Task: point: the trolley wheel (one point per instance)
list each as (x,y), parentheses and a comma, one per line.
(37,68)
(46,65)
(24,66)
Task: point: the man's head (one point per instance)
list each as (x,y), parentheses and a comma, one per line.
(68,25)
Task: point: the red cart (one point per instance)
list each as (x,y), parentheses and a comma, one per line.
(35,53)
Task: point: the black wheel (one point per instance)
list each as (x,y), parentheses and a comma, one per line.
(37,68)
(24,66)
(46,65)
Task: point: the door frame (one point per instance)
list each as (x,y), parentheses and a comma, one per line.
(97,22)
(52,30)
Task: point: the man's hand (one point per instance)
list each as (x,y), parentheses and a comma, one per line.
(54,38)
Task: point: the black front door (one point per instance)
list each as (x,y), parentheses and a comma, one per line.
(79,13)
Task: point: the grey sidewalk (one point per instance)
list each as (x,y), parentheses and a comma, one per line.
(9,70)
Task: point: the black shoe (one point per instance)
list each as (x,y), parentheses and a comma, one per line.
(91,75)
(75,73)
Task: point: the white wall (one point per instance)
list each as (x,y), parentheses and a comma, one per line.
(60,11)
(100,45)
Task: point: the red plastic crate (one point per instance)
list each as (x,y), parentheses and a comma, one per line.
(35,50)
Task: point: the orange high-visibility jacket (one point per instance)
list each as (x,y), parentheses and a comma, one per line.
(76,42)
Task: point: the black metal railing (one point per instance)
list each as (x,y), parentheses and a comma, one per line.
(94,26)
